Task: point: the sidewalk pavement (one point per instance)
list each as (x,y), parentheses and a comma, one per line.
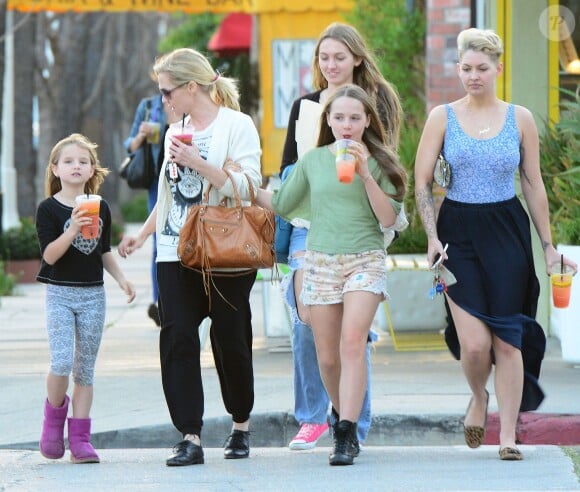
(418,402)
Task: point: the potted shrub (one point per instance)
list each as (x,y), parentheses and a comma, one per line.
(560,162)
(20,251)
(7,281)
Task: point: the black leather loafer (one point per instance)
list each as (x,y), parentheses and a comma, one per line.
(186,453)
(153,313)
(237,445)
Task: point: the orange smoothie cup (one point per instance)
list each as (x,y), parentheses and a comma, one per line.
(561,280)
(345,162)
(92,204)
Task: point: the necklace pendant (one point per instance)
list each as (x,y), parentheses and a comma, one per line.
(483,131)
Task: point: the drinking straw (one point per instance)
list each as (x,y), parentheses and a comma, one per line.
(562,267)
(183,122)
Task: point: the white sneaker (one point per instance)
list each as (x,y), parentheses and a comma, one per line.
(308,436)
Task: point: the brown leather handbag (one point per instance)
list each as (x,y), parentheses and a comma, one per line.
(216,236)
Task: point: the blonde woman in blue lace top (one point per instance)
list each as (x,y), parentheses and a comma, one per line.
(493,304)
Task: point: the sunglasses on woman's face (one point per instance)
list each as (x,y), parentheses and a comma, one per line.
(166,93)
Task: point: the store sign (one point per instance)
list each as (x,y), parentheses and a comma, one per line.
(292,75)
(188,6)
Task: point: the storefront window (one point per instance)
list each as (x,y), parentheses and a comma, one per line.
(292,68)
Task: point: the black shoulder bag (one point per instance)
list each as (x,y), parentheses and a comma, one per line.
(138,168)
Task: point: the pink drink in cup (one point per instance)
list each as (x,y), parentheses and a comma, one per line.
(186,138)
(92,204)
(345,162)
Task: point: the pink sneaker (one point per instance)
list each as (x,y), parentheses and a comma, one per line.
(308,436)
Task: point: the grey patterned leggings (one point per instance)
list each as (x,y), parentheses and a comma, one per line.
(75,321)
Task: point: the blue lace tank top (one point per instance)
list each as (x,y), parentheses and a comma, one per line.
(482,170)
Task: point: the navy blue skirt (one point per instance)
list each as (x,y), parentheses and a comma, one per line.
(490,254)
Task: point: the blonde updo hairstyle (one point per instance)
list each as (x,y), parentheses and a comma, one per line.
(480,40)
(184,65)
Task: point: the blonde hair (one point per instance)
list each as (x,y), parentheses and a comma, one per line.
(366,75)
(374,136)
(52,184)
(186,64)
(481,40)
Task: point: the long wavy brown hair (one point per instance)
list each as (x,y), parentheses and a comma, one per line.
(366,75)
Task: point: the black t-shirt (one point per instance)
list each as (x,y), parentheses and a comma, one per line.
(82,264)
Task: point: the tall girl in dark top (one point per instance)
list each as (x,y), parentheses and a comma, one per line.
(72,268)
(493,304)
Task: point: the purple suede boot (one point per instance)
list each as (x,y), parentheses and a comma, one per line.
(79,435)
(52,438)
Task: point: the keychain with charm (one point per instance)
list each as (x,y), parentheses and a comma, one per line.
(438,286)
(173,172)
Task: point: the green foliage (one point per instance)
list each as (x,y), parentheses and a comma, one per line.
(413,239)
(560,164)
(397,37)
(136,209)
(117,231)
(195,32)
(574,454)
(7,281)
(20,243)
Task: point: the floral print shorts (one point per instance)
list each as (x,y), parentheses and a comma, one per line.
(328,277)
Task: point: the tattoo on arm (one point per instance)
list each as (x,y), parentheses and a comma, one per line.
(426,209)
(545,244)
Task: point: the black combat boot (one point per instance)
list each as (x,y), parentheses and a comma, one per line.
(345,447)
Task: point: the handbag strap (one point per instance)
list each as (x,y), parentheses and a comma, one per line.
(237,199)
(147,109)
(251,188)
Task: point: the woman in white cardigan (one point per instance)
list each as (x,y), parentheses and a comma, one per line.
(210,108)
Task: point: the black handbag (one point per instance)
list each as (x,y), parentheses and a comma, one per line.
(138,168)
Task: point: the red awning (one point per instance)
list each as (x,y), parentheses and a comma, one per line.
(234,35)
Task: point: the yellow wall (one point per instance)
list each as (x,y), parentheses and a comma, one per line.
(281,25)
(528,62)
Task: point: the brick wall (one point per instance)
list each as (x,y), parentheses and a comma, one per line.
(445,19)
